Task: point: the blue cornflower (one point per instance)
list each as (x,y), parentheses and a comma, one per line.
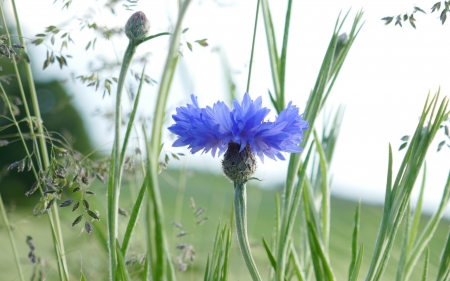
(215,129)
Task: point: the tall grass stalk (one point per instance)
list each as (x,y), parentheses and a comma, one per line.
(160,263)
(332,63)
(398,193)
(42,153)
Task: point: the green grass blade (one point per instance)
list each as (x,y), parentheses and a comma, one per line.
(273,53)
(288,221)
(11,240)
(137,206)
(323,266)
(218,261)
(133,217)
(132,117)
(208,262)
(357,267)
(425,264)
(253,47)
(444,263)
(355,240)
(296,263)
(282,65)
(226,261)
(418,211)
(428,231)
(121,267)
(272,260)
(325,192)
(404,255)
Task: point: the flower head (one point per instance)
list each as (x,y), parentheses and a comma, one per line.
(214,128)
(137,26)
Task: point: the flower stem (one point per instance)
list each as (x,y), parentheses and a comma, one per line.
(240,211)
(116,165)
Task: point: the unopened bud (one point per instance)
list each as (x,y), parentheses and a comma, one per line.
(137,26)
(239,167)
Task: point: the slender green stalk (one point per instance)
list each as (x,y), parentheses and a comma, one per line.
(153,149)
(53,214)
(11,238)
(117,163)
(253,48)
(240,211)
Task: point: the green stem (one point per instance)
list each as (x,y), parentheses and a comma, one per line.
(11,238)
(240,211)
(253,48)
(151,37)
(116,164)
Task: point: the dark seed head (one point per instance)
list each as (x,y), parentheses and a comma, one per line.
(239,167)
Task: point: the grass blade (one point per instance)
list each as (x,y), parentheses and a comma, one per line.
(425,264)
(325,192)
(323,270)
(297,267)
(357,267)
(444,263)
(428,231)
(253,47)
(11,239)
(273,53)
(121,267)
(133,217)
(269,254)
(282,66)
(355,240)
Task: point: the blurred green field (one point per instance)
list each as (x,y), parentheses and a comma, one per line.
(213,193)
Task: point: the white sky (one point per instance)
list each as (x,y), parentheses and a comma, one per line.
(383,84)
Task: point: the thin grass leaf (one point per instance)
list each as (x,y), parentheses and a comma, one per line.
(217,263)
(82,277)
(133,217)
(288,220)
(253,48)
(405,242)
(355,240)
(322,265)
(325,218)
(425,264)
(428,231)
(444,262)
(282,62)
(121,267)
(357,267)
(297,267)
(272,260)
(273,52)
(132,117)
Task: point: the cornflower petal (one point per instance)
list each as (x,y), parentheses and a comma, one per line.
(213,128)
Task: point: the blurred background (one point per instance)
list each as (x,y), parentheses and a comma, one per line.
(383,86)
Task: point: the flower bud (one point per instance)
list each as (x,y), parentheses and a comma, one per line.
(239,167)
(137,26)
